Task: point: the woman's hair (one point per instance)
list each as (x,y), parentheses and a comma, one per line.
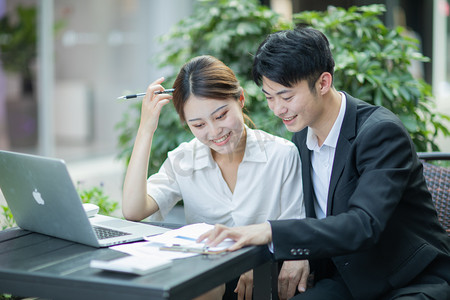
(290,56)
(206,77)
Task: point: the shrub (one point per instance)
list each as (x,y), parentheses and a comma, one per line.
(371,64)
(94,195)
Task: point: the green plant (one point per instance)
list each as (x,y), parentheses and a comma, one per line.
(371,64)
(94,195)
(97,196)
(9,297)
(8,219)
(18,41)
(229,30)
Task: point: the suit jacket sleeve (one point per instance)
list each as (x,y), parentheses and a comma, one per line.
(378,168)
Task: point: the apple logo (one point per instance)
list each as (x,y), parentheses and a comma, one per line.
(37,196)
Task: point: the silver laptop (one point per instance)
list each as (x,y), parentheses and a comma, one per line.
(42,198)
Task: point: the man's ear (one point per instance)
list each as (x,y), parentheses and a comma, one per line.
(325,83)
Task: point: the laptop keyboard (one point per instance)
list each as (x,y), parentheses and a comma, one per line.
(105,233)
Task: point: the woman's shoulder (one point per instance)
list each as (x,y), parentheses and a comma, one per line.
(188,146)
(276,149)
(192,155)
(268,139)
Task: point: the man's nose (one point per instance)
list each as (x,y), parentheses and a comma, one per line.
(279,109)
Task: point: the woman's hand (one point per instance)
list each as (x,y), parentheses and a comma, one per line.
(152,105)
(136,203)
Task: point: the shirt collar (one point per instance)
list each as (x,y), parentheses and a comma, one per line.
(255,150)
(333,135)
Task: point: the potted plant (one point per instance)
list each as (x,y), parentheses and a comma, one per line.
(18,55)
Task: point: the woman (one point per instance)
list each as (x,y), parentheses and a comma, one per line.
(228,174)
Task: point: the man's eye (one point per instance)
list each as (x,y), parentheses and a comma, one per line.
(287,98)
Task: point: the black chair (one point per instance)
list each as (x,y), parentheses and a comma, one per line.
(438,182)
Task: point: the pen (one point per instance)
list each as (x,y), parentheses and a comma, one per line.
(143,94)
(185,238)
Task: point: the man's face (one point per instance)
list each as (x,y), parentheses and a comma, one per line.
(296,105)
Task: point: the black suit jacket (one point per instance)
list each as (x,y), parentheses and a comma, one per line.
(381,228)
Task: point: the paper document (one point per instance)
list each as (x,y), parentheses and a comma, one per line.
(133,264)
(184,240)
(144,249)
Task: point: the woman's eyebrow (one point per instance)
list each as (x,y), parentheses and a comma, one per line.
(216,110)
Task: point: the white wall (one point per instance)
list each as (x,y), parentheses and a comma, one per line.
(107,48)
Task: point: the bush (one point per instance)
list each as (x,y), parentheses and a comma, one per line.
(371,64)
(94,195)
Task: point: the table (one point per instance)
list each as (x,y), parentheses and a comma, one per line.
(36,265)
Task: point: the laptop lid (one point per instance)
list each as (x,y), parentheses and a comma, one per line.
(43,198)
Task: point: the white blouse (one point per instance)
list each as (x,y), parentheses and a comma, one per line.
(268,186)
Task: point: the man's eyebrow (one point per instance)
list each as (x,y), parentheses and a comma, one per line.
(277,93)
(196,119)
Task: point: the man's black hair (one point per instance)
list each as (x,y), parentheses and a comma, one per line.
(290,56)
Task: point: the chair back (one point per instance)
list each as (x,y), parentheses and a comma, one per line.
(438,183)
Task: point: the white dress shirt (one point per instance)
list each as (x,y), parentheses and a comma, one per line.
(322,159)
(268,186)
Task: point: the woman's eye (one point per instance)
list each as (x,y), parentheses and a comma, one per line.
(221,116)
(198,125)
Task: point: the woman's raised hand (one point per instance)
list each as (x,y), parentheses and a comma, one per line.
(152,105)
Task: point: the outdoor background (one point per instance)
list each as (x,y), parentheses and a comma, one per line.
(91,52)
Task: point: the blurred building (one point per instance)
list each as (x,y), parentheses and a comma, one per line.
(106,48)
(102,49)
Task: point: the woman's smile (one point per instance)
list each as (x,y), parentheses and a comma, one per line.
(222,140)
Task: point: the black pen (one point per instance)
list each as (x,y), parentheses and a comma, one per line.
(168,91)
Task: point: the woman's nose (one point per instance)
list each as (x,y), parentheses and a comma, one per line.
(214,130)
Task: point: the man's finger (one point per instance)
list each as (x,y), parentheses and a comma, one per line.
(303,283)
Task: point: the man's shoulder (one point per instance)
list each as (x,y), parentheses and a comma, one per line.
(368,115)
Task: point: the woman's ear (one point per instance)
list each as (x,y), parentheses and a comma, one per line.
(242,99)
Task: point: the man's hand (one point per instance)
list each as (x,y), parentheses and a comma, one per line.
(293,276)
(244,288)
(258,234)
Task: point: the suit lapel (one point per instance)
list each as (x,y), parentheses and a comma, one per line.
(346,136)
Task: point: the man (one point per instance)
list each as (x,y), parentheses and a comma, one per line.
(371,230)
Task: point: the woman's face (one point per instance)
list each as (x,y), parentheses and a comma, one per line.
(219,124)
